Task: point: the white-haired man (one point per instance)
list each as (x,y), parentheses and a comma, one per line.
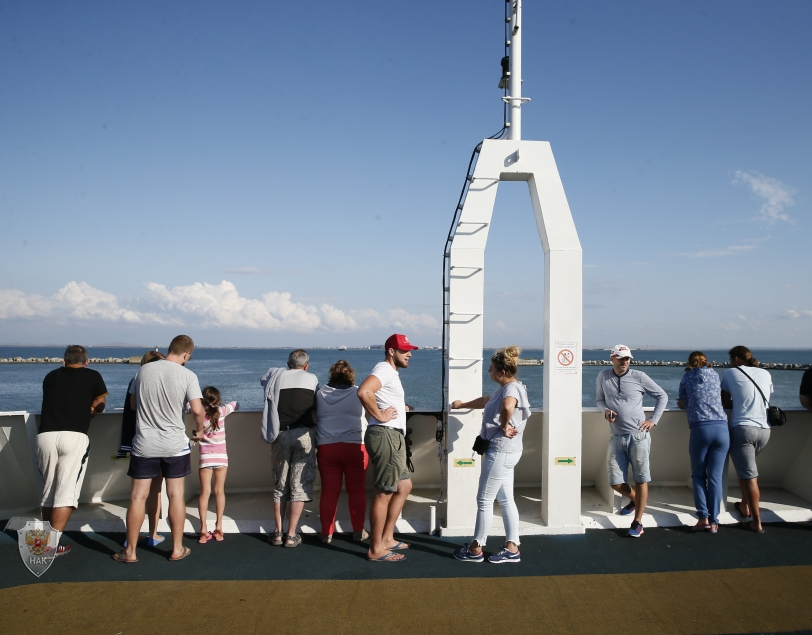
(620,393)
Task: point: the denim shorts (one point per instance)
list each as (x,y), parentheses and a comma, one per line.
(629,449)
(746,442)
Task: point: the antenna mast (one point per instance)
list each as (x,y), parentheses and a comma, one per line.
(514,99)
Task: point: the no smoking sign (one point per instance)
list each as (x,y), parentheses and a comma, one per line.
(565,353)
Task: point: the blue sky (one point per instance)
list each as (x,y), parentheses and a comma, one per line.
(278,174)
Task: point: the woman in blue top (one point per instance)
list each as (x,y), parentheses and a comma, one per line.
(506,413)
(700,394)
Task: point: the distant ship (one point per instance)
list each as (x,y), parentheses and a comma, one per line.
(342,348)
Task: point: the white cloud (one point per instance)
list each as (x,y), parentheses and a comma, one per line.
(202,305)
(775,194)
(75,302)
(794,314)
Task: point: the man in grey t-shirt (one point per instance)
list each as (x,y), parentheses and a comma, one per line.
(620,397)
(160,448)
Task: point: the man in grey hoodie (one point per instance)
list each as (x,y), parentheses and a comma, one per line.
(620,396)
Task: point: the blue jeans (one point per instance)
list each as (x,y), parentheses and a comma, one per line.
(708,449)
(496,481)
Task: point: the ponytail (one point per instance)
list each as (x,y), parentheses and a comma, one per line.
(211,406)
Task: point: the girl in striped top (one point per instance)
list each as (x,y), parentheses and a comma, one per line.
(213,461)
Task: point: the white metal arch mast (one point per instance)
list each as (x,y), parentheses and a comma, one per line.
(513,159)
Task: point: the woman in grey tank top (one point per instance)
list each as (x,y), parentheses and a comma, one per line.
(503,423)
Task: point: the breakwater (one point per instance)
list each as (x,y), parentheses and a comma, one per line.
(58,360)
(606,362)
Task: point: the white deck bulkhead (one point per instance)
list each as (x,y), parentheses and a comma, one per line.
(785,468)
(532,162)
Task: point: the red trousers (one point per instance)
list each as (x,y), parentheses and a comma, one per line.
(337,460)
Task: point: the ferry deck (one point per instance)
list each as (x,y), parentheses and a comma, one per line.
(671,580)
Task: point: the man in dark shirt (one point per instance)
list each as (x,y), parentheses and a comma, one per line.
(806,390)
(71,395)
(293,450)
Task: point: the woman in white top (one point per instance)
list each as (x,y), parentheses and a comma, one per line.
(746,389)
(506,413)
(341,450)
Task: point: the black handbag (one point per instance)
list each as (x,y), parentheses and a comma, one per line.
(481,445)
(775,416)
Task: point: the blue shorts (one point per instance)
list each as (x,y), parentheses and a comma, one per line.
(168,467)
(629,449)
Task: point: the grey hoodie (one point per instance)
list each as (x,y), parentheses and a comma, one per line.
(270,417)
(341,416)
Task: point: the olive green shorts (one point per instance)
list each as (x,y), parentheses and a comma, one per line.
(387,453)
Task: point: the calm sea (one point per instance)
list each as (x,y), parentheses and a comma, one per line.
(236,372)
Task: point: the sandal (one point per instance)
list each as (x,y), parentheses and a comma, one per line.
(276,538)
(737,506)
(186,552)
(360,536)
(121,556)
(389,557)
(292,541)
(326,538)
(204,538)
(218,535)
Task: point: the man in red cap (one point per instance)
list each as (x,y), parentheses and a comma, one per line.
(383,398)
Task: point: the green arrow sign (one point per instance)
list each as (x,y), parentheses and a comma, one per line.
(463,462)
(565,460)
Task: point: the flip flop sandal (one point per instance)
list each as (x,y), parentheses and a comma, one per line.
(204,538)
(389,557)
(400,545)
(186,552)
(218,535)
(738,508)
(121,556)
(745,524)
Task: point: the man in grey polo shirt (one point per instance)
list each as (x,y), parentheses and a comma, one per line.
(620,395)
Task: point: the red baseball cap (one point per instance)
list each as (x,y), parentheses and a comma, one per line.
(400,342)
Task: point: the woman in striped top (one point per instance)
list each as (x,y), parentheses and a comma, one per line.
(213,461)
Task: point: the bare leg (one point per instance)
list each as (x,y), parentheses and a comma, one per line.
(753,495)
(279,515)
(57,516)
(177,514)
(203,499)
(396,504)
(296,509)
(154,506)
(640,500)
(377,520)
(626,491)
(135,513)
(220,498)
(744,506)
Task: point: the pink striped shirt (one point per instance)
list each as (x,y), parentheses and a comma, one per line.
(213,444)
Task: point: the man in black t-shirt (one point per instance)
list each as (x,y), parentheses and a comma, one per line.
(806,390)
(71,395)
